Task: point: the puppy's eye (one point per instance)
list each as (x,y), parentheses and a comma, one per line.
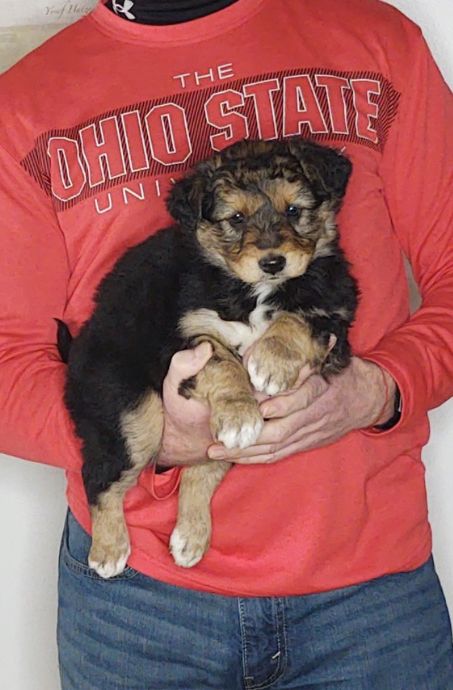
(237,219)
(293,212)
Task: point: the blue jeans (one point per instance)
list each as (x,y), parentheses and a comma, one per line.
(135,633)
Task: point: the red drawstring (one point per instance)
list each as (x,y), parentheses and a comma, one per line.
(171,491)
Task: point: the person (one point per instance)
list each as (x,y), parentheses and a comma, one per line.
(320,571)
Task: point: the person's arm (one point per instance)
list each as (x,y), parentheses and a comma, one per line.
(417,173)
(34,274)
(34,423)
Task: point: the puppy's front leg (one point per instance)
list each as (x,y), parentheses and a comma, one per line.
(236,422)
(287,346)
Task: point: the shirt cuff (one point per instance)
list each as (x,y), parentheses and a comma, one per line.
(401,409)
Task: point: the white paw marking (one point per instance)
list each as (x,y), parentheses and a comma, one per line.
(262,382)
(184,553)
(272,388)
(258,380)
(108,569)
(240,437)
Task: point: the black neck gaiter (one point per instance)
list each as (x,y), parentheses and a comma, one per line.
(161,12)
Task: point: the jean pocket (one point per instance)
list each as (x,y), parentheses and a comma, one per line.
(75,547)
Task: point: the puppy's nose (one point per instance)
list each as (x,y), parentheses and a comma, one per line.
(272,263)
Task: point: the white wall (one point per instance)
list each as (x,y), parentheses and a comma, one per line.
(32,504)
(39,12)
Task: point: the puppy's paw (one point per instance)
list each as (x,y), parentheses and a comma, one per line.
(189,542)
(109,559)
(273,367)
(237,423)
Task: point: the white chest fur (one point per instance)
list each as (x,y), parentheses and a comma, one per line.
(236,334)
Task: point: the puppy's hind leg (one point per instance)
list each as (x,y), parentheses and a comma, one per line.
(190,538)
(141,433)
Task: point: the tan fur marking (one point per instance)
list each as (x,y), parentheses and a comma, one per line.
(192,534)
(233,200)
(142,428)
(298,255)
(224,384)
(284,349)
(223,377)
(328,232)
(283,193)
(212,243)
(295,333)
(110,540)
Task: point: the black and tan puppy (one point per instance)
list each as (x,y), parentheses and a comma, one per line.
(254,256)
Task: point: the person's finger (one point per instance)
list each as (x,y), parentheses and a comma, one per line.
(285,404)
(309,441)
(274,433)
(265,459)
(261,397)
(304,374)
(219,452)
(298,438)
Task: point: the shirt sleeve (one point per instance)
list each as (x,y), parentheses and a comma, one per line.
(34,423)
(417,171)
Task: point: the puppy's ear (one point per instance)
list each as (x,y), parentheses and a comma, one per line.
(190,197)
(326,169)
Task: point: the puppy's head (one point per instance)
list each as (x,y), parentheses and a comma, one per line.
(263,210)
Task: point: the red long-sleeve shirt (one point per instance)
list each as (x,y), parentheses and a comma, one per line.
(93,127)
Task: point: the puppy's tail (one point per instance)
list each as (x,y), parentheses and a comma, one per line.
(64,340)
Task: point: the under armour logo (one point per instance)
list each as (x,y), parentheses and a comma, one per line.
(123,8)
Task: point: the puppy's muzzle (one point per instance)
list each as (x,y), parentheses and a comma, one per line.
(272,263)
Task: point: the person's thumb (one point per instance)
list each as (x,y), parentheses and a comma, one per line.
(187,363)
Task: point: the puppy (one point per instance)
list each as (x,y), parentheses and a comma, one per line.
(253,259)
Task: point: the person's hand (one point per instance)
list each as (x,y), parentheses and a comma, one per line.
(318,413)
(186,430)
